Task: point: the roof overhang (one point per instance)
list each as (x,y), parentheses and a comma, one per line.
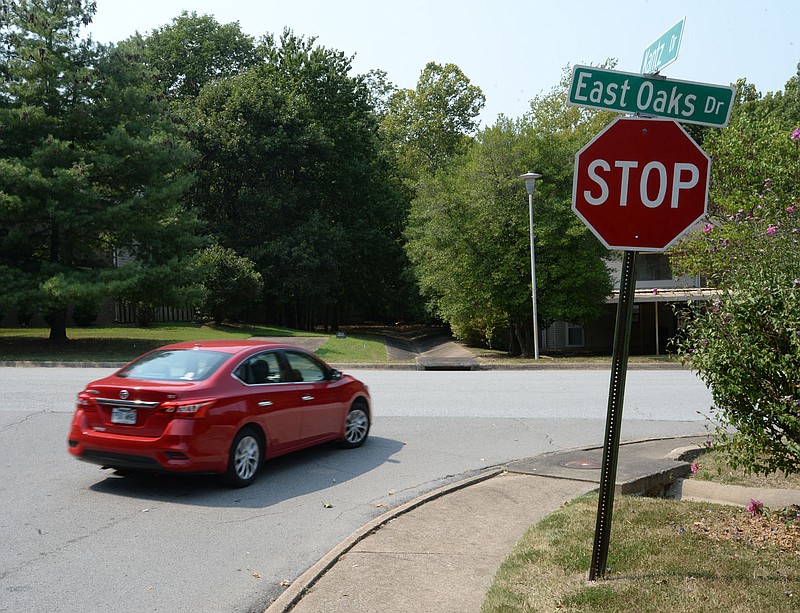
(689,294)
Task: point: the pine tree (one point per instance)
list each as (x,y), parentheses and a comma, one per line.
(90,166)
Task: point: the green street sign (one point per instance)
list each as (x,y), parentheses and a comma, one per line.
(651,96)
(664,51)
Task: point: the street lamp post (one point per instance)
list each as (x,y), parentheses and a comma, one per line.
(530,182)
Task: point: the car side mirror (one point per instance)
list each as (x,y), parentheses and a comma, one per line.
(336,375)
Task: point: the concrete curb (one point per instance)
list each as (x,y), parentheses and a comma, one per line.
(55,364)
(695,490)
(556,365)
(294,593)
(381,365)
(686,454)
(659,482)
(300,586)
(698,490)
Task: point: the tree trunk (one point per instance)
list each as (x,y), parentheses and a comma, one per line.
(142,315)
(58,325)
(523,337)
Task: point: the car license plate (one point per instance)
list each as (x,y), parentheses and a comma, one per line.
(122,415)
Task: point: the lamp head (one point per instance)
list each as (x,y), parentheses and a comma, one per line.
(530,180)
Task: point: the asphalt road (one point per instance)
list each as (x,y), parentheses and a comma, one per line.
(78,538)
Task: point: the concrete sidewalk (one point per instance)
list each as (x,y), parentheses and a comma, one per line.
(439,553)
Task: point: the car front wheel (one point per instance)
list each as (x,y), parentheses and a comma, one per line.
(356,426)
(245,458)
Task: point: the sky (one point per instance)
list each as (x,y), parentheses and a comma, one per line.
(514,50)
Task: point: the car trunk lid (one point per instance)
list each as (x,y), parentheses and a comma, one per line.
(134,407)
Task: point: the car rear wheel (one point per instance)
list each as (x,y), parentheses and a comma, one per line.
(244,459)
(356,426)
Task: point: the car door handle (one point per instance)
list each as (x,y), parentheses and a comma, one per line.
(265,403)
(307,398)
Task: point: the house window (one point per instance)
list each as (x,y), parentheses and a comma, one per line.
(653,267)
(575,335)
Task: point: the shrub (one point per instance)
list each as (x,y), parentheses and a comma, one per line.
(231,283)
(746,344)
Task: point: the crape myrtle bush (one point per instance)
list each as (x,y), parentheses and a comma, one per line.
(746,344)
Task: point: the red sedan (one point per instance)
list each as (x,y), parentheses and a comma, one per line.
(216,407)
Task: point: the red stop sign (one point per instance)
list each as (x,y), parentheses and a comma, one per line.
(640,184)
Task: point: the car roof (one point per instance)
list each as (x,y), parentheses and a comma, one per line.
(232,346)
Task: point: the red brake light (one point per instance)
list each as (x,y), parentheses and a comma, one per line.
(86,402)
(191,409)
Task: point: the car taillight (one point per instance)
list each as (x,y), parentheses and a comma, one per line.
(86,402)
(187,408)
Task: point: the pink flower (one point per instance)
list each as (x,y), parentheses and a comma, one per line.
(771,230)
(694,468)
(707,228)
(756,507)
(796,134)
(790,209)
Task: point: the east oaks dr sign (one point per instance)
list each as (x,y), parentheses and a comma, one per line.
(640,184)
(626,92)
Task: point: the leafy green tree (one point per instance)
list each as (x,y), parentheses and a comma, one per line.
(468,231)
(195,50)
(381,91)
(232,284)
(89,166)
(291,176)
(745,345)
(428,125)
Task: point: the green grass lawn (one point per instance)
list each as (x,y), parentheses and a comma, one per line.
(121,343)
(711,466)
(357,348)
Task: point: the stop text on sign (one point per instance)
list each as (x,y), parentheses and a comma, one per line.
(682,176)
(625,92)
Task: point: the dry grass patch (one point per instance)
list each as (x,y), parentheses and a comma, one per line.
(664,556)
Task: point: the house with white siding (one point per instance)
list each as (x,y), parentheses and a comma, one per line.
(657,315)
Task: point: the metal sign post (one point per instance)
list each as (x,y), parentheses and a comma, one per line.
(616,396)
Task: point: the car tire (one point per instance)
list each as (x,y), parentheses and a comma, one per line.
(356,426)
(244,458)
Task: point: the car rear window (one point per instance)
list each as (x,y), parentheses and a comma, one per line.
(175,365)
